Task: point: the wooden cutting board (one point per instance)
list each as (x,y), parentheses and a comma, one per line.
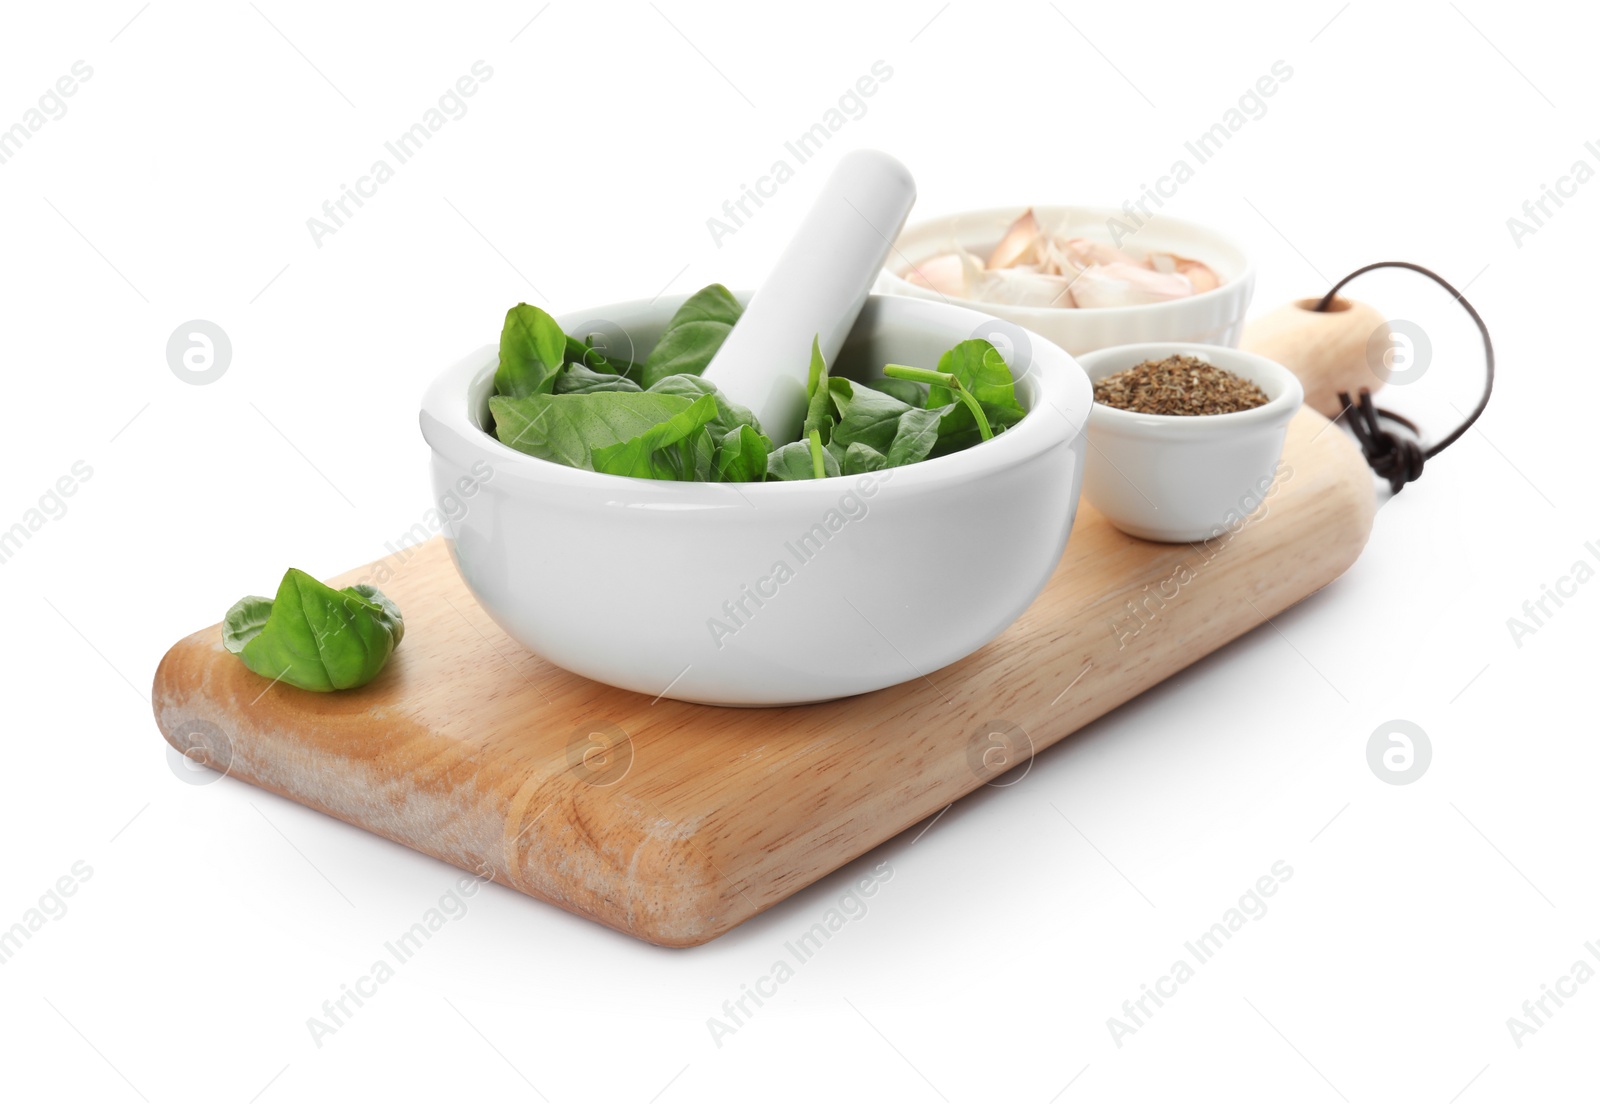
(674,822)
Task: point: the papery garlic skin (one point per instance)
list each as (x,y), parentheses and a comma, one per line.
(1023,288)
(1055,256)
(1123,285)
(1018,245)
(1033,266)
(1085,252)
(1201,275)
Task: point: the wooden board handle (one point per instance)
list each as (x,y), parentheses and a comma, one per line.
(1331,351)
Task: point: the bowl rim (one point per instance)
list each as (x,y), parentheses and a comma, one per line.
(1285,392)
(1224,291)
(1057,385)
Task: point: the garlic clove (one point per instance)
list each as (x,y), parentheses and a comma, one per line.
(1022,288)
(1017,244)
(1123,284)
(945,274)
(1086,251)
(1201,275)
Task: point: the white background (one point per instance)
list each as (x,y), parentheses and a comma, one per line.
(218,919)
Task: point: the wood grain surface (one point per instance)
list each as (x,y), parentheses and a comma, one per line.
(674,822)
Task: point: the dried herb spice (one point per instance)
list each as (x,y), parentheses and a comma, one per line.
(1178,385)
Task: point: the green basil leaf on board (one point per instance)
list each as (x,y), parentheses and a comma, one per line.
(568,429)
(794,462)
(244,621)
(678,448)
(391,610)
(532,351)
(741,456)
(579,378)
(729,414)
(693,335)
(312,636)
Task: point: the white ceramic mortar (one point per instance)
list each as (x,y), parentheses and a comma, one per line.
(674,588)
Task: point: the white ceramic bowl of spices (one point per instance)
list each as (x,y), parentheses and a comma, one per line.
(1186,439)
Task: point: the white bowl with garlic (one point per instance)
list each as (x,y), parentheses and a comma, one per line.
(1083,277)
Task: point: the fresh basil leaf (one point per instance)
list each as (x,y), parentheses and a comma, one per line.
(244,621)
(580,353)
(862,458)
(693,336)
(819,411)
(915,435)
(701,451)
(865,415)
(741,455)
(983,372)
(568,429)
(391,611)
(793,462)
(532,352)
(729,414)
(315,637)
(577,379)
(907,392)
(670,450)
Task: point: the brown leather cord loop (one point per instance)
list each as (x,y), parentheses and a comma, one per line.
(1399,459)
